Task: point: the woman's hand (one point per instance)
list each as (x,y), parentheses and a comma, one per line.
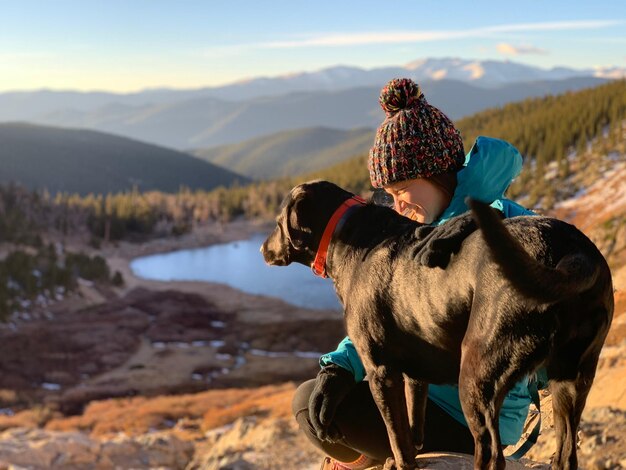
(436,245)
(332,384)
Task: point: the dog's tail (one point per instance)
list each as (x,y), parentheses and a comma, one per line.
(573,274)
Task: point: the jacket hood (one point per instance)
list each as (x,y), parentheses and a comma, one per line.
(490,167)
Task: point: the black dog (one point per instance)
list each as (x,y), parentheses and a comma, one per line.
(521,293)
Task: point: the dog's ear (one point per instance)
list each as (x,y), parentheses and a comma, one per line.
(297,212)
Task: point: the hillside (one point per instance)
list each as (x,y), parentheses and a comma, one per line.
(289,153)
(534,125)
(106,399)
(583,129)
(81,161)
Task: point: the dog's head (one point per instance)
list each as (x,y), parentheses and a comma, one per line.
(300,224)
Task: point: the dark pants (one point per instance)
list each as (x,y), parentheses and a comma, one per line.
(364,431)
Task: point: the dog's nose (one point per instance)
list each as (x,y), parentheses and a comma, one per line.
(264,249)
(265,253)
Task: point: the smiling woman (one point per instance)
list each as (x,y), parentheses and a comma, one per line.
(422,199)
(416,153)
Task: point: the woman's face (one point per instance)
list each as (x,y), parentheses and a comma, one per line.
(418,199)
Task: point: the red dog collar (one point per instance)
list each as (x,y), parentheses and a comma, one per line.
(319,265)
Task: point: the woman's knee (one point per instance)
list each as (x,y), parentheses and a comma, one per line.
(301,397)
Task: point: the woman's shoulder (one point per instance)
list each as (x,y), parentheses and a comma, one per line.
(511,208)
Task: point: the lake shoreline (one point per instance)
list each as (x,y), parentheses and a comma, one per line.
(201,237)
(240,265)
(120,256)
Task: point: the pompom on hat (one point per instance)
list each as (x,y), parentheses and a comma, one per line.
(416,140)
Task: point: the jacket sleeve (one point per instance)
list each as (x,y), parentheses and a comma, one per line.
(345,356)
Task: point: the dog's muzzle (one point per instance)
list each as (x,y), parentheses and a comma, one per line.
(274,252)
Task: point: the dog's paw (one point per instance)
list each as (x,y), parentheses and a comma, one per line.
(390,464)
(332,435)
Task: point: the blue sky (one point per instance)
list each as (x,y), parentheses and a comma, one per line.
(135,44)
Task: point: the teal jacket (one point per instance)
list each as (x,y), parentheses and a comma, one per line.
(489,168)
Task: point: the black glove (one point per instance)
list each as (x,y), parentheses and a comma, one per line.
(436,245)
(332,384)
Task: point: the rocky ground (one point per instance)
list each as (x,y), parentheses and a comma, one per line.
(152,342)
(153,351)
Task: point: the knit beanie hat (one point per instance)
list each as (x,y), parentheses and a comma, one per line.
(416,140)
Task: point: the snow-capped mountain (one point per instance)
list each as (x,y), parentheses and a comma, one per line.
(493,73)
(488,74)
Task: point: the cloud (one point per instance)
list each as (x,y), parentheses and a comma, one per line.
(509,49)
(555,26)
(365,38)
(398,37)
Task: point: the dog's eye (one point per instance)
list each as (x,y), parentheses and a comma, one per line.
(380,197)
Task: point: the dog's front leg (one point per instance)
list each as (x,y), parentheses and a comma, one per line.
(388,391)
(416,397)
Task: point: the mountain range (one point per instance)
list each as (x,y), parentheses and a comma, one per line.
(208,122)
(337,97)
(488,74)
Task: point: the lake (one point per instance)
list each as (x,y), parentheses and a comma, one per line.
(240,265)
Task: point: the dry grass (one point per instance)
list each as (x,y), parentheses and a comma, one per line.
(270,401)
(31,418)
(617,333)
(205,410)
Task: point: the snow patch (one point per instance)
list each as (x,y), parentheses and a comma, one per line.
(303,354)
(50,386)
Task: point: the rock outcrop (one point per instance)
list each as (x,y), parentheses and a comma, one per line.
(38,450)
(248,443)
